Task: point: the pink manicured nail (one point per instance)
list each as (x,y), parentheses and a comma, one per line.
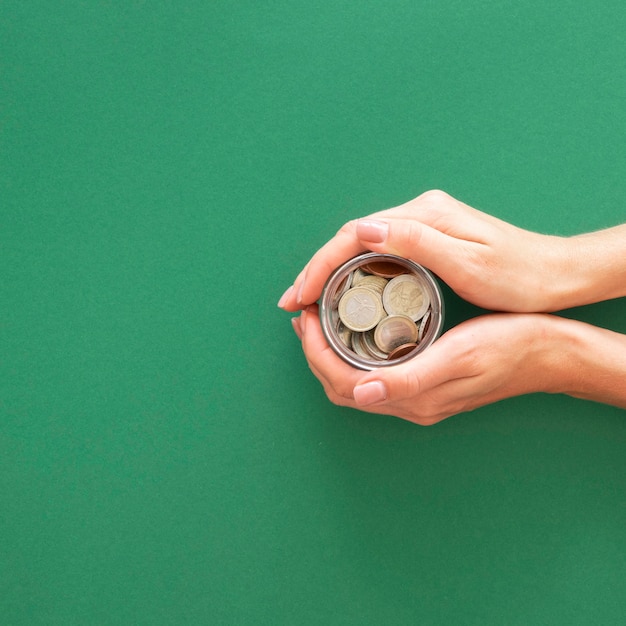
(372,230)
(295,322)
(302,324)
(285,297)
(369,393)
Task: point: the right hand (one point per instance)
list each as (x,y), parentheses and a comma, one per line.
(485,260)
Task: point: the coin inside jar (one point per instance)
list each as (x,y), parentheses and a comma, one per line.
(424,325)
(404,295)
(386,269)
(402,350)
(375,283)
(360,309)
(394,331)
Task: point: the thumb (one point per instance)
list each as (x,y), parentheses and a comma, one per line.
(413,240)
(400,382)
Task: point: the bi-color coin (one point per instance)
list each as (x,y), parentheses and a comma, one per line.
(394,331)
(405,295)
(360,309)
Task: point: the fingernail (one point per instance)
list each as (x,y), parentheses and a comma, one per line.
(368,393)
(372,230)
(295,322)
(302,323)
(285,297)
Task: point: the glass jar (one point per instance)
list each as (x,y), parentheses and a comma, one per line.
(378,310)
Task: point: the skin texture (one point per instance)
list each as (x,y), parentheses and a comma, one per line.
(494,265)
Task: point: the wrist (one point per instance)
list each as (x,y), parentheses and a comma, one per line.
(587,268)
(584,361)
(563,358)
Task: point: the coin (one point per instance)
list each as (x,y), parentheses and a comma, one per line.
(375,283)
(402,350)
(343,286)
(358,346)
(360,309)
(386,269)
(369,343)
(394,331)
(345,334)
(405,295)
(424,326)
(357,276)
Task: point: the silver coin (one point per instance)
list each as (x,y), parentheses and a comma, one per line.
(345,334)
(357,276)
(369,343)
(343,286)
(375,283)
(424,325)
(334,319)
(359,347)
(360,309)
(394,331)
(405,295)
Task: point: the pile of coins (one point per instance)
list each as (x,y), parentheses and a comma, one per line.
(382,311)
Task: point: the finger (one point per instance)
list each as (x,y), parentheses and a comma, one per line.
(440,210)
(433,208)
(338,377)
(430,207)
(439,252)
(342,247)
(308,286)
(435,366)
(295,322)
(290,300)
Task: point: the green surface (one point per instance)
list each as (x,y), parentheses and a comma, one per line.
(166,169)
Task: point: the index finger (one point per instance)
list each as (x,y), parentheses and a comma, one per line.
(308,286)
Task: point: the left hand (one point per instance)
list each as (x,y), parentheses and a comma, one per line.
(478,362)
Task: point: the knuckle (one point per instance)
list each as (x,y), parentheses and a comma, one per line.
(429,411)
(412,235)
(410,383)
(435,196)
(438,209)
(349,228)
(427,421)
(338,393)
(432,414)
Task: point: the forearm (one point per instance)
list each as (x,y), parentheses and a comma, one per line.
(589,362)
(590,268)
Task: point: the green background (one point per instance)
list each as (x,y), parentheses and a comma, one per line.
(166,169)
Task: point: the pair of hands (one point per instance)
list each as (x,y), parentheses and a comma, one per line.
(486,261)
